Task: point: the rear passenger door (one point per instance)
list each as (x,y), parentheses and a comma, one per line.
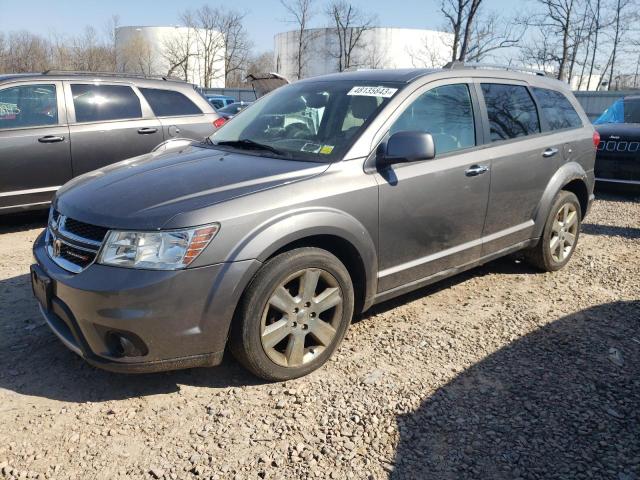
(523,160)
(108,123)
(34,143)
(179,116)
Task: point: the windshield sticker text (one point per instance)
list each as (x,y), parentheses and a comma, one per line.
(384,92)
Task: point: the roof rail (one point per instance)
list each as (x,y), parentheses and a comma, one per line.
(458,64)
(112,74)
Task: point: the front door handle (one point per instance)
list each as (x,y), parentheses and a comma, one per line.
(476,170)
(147,130)
(51,139)
(549,152)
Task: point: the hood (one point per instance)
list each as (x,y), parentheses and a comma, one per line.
(264,83)
(146,192)
(624,131)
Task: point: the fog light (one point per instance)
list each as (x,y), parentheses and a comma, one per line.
(123,344)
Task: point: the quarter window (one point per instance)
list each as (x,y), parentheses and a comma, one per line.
(28,106)
(98,103)
(444,112)
(511,110)
(167,103)
(556,109)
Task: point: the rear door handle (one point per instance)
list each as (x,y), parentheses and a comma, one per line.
(51,139)
(147,131)
(549,152)
(476,170)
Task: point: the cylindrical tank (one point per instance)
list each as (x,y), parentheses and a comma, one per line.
(175,51)
(379,47)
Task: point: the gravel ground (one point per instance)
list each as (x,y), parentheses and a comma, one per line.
(500,373)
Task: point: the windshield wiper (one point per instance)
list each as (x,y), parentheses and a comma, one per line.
(247,144)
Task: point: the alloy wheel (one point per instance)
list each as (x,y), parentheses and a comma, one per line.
(564,231)
(301,317)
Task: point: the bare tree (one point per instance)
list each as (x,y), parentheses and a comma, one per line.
(620,27)
(89,53)
(460,15)
(26,52)
(209,42)
(349,24)
(558,18)
(259,64)
(110,28)
(178,50)
(300,13)
(237,45)
(490,33)
(137,56)
(597,25)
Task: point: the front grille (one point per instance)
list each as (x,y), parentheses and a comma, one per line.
(72,244)
(84,230)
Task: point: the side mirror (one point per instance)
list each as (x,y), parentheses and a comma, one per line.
(407,147)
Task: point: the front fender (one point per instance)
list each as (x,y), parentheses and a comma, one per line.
(566,173)
(277,232)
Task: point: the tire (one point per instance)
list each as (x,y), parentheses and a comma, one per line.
(552,257)
(275,314)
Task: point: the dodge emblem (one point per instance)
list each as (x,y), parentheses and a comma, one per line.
(57,245)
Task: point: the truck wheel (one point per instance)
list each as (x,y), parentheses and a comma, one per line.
(560,235)
(293,315)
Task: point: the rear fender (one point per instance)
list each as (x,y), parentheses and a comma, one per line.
(566,173)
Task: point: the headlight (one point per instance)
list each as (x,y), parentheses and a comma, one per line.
(168,250)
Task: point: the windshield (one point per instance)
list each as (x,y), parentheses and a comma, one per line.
(313,121)
(625,110)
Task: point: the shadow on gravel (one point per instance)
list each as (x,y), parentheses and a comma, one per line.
(18,222)
(562,402)
(610,230)
(34,362)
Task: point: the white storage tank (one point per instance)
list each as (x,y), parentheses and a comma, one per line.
(175,51)
(379,47)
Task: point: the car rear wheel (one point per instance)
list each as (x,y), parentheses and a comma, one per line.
(293,315)
(560,235)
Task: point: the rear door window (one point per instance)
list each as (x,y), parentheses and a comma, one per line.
(168,103)
(99,103)
(28,106)
(511,110)
(556,109)
(446,113)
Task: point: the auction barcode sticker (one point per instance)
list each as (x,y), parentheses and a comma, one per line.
(384,92)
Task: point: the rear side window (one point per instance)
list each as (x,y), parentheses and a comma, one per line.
(98,103)
(28,106)
(167,103)
(556,109)
(511,110)
(444,112)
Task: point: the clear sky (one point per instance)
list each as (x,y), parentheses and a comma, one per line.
(264,17)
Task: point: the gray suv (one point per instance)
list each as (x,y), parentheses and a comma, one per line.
(323,198)
(57,125)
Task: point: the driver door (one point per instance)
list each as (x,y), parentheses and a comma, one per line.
(432,212)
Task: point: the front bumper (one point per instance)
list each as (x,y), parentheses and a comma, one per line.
(180,319)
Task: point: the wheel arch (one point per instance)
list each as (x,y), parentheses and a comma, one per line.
(571,177)
(333,230)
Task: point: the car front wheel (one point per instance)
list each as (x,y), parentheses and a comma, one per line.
(293,314)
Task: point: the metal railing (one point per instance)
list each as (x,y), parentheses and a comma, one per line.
(113,74)
(494,66)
